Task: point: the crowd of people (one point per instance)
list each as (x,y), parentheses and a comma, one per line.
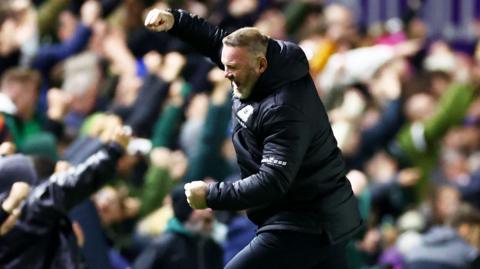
(104,121)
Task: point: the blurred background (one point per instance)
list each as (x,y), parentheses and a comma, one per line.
(399,79)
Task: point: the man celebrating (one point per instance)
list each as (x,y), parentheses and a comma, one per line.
(293,175)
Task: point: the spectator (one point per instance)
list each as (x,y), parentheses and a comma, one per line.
(42,235)
(186,242)
(448,246)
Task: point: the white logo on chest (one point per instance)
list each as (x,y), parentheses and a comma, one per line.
(245,113)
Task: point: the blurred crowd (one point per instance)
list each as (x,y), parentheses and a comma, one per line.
(403,104)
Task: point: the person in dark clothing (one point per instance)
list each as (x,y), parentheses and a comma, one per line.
(293,182)
(185,243)
(146,106)
(452,246)
(95,250)
(43,235)
(240,232)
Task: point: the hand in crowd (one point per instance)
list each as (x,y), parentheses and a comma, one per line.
(153,61)
(198,108)
(175,161)
(121,136)
(90,12)
(409,177)
(160,157)
(408,48)
(104,126)
(109,128)
(122,62)
(387,84)
(7,37)
(7,148)
(176,95)
(58,104)
(11,205)
(178,165)
(239,8)
(173,65)
(62,166)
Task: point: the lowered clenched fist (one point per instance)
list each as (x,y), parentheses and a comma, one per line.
(196,192)
(159,20)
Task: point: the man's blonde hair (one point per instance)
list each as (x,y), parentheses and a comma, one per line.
(250,38)
(21,75)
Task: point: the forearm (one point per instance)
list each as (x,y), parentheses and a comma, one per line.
(76,184)
(157,185)
(216,124)
(451,110)
(385,129)
(164,130)
(50,55)
(215,128)
(198,33)
(151,97)
(54,127)
(253,191)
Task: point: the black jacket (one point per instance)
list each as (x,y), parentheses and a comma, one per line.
(42,237)
(293,173)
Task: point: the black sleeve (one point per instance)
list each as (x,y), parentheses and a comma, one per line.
(287,137)
(64,190)
(198,33)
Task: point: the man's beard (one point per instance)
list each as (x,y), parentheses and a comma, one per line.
(246,89)
(236,92)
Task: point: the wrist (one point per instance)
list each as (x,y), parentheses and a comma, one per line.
(56,114)
(174,13)
(207,191)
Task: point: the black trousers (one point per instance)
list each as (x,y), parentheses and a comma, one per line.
(287,249)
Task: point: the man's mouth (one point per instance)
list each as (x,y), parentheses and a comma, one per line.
(234,85)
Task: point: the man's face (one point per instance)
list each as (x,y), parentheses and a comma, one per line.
(339,22)
(241,68)
(201,222)
(24,95)
(66,25)
(108,204)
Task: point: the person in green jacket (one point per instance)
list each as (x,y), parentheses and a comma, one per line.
(417,143)
(31,131)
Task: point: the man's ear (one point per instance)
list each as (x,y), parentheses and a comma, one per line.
(262,64)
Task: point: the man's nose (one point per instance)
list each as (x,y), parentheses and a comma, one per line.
(228,75)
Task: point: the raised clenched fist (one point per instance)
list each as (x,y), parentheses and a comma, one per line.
(121,136)
(90,12)
(58,104)
(159,20)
